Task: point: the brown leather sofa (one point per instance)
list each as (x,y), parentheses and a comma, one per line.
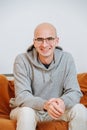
(7,91)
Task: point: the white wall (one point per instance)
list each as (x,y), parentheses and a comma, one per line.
(18,18)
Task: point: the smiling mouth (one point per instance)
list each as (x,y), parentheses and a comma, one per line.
(45,50)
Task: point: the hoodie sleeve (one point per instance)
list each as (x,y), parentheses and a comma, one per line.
(72,93)
(23,90)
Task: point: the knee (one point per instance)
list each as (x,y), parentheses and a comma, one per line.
(26,118)
(26,111)
(79,108)
(79,111)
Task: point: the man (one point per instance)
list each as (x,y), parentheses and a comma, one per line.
(46,86)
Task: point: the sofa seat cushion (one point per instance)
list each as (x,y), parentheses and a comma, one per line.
(52,125)
(6,124)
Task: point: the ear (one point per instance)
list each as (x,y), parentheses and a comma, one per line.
(57,41)
(34,43)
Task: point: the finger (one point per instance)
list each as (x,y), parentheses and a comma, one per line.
(57,109)
(52,111)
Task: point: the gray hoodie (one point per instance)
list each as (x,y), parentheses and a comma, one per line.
(34,83)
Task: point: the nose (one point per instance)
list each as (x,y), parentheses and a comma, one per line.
(44,44)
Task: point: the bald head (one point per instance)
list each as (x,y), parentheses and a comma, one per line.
(45,29)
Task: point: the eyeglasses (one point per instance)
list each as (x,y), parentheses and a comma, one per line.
(40,40)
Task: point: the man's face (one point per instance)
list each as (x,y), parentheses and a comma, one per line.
(45,41)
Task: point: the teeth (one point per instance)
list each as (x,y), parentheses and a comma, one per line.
(45,49)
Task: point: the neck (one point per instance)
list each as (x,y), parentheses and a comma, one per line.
(46,60)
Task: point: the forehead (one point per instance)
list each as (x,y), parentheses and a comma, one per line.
(45,30)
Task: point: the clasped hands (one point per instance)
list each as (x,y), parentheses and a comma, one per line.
(55,107)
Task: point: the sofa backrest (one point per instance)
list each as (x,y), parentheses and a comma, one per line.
(7,91)
(82,79)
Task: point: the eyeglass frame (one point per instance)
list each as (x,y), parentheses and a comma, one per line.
(41,40)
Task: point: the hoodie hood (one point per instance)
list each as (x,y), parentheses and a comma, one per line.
(32,55)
